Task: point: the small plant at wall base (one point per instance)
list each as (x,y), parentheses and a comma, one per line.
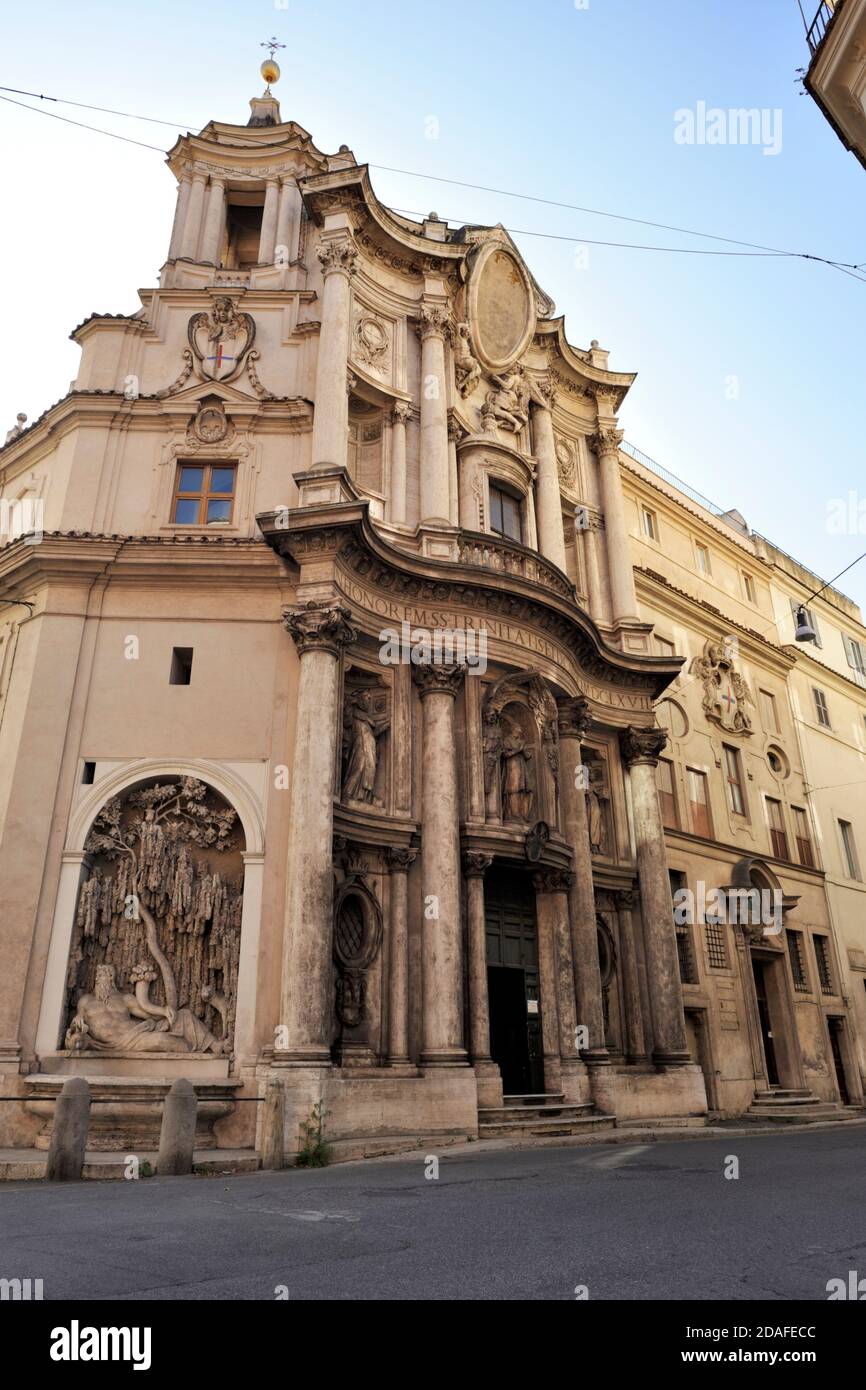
(313,1149)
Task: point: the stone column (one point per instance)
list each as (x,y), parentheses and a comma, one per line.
(400,860)
(184,189)
(192,221)
(288,216)
(551,541)
(475,866)
(400,413)
(558,885)
(339,261)
(635,1041)
(268,237)
(210,242)
(595,593)
(574,721)
(320,634)
(606,444)
(640,750)
(433,328)
(545,916)
(441,948)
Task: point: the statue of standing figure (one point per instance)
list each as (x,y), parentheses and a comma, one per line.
(363,727)
(516,791)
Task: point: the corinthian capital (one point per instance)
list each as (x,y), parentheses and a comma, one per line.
(401,412)
(553,881)
(433,321)
(642,745)
(438,679)
(476,863)
(573,717)
(316,627)
(338,257)
(606,441)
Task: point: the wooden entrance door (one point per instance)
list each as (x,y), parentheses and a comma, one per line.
(513,982)
(759,967)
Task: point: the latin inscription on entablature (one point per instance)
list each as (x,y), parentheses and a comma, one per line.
(390,611)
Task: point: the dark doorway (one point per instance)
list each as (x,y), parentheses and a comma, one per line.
(513,982)
(759,968)
(835,1026)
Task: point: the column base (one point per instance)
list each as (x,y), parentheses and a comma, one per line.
(595,1056)
(672,1059)
(575,1084)
(488,1081)
(303,1057)
(650,1095)
(324,484)
(446,1057)
(438,540)
(552,1074)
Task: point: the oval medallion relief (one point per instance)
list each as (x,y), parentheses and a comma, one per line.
(501,307)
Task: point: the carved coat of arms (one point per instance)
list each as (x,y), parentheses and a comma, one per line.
(726,693)
(220,339)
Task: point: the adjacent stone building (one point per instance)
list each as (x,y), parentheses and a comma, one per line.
(339,672)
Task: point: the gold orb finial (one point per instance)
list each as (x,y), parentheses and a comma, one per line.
(270,68)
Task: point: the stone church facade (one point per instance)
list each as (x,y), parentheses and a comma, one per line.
(329,707)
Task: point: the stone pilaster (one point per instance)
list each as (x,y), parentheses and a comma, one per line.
(475,866)
(401,412)
(339,260)
(441,950)
(551,541)
(400,861)
(184,189)
(433,330)
(606,442)
(455,434)
(635,1041)
(213,226)
(574,721)
(320,633)
(288,218)
(268,235)
(192,221)
(640,750)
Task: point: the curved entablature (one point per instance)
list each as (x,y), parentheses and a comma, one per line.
(218,144)
(344,538)
(591,378)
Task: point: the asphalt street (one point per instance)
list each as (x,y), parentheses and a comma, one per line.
(626,1221)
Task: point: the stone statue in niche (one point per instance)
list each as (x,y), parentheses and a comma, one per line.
(508,404)
(516,791)
(109,1019)
(466,366)
(163,920)
(596,808)
(365,720)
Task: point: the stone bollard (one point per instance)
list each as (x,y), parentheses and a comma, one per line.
(273,1122)
(177,1135)
(69,1134)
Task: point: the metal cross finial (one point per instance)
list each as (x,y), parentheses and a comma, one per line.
(272,45)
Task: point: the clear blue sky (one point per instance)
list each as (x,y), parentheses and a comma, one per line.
(563,102)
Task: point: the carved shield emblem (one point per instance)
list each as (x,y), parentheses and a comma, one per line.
(220,339)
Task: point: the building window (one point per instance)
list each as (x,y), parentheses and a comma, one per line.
(717,950)
(822,713)
(803,837)
(778,836)
(702,558)
(649,524)
(849,849)
(769,713)
(204,494)
(181,666)
(505,514)
(685,953)
(822,960)
(667,796)
(795,956)
(699,803)
(856,654)
(734,778)
(749,587)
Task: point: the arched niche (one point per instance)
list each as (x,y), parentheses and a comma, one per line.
(521,749)
(154,959)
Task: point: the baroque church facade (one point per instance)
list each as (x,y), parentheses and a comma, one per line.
(330,736)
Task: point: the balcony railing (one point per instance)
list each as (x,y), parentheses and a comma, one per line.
(816,31)
(507,557)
